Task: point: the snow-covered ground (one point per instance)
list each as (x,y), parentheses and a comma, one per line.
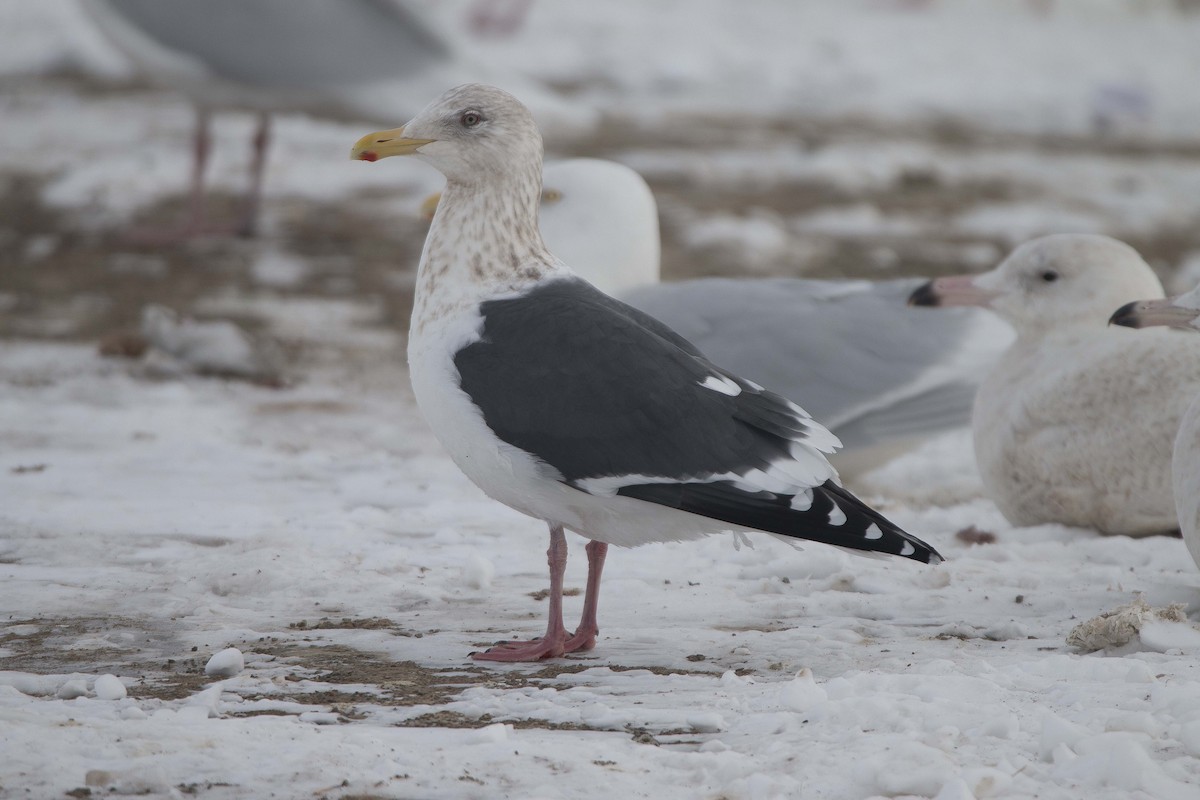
(150,520)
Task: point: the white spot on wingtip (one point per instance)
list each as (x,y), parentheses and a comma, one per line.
(908,549)
(722,384)
(873,532)
(802,501)
(837,516)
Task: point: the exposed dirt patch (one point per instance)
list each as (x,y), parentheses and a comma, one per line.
(452,719)
(348,623)
(974,535)
(402,683)
(542,594)
(60,281)
(81,644)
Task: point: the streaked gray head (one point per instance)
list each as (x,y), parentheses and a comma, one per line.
(478,133)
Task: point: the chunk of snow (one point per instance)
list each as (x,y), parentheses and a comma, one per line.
(225,664)
(193,714)
(706,722)
(478,572)
(490,734)
(217,347)
(72,689)
(1189,737)
(109,687)
(1057,731)
(209,700)
(911,768)
(955,789)
(802,692)
(1164,636)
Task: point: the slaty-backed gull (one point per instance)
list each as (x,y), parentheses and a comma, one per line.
(1075,424)
(1183,313)
(576,409)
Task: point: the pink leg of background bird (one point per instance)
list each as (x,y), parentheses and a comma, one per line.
(196,223)
(556,643)
(248,226)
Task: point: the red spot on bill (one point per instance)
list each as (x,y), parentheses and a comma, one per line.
(369,155)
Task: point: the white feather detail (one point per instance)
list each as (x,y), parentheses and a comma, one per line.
(719,383)
(794,476)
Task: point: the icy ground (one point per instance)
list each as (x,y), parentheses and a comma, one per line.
(151,520)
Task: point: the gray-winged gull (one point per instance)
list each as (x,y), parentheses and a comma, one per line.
(1182,312)
(1075,424)
(270,56)
(265,56)
(881,376)
(579,410)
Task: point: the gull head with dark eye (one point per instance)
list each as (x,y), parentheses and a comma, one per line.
(1065,279)
(472,133)
(1051,282)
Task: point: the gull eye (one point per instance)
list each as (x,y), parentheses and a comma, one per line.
(470,119)
(1049,276)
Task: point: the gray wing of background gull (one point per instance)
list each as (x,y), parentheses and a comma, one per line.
(353,57)
(289,44)
(869,368)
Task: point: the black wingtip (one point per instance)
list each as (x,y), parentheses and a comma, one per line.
(924,295)
(888,537)
(857,525)
(1125,316)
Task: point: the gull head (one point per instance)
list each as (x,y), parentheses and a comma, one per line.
(1051,282)
(1182,312)
(472,133)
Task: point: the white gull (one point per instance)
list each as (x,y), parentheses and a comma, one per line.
(1075,424)
(1183,313)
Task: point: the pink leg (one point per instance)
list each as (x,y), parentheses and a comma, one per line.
(262,138)
(585,634)
(201,149)
(496,18)
(550,645)
(193,224)
(196,223)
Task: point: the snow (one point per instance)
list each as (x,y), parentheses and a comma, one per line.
(308,503)
(109,687)
(220,589)
(225,664)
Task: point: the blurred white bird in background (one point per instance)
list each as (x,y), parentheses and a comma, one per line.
(1076,422)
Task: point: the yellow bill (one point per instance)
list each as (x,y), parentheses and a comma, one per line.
(382,144)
